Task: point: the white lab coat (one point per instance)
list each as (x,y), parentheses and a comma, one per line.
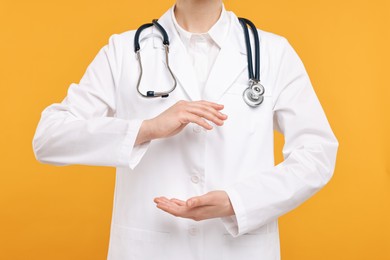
(97,124)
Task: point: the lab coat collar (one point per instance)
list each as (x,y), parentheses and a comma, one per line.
(230,62)
(217,32)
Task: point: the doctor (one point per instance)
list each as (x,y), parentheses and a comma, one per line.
(195,172)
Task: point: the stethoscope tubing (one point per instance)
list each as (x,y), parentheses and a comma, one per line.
(137,48)
(256,74)
(253,95)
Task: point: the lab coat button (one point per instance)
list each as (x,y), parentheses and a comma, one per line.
(193,231)
(195,179)
(197,129)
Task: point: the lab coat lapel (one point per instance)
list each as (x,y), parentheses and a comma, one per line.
(230,63)
(183,70)
(179,60)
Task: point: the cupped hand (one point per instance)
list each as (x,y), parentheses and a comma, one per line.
(213,204)
(175,118)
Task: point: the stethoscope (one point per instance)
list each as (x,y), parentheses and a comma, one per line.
(253,95)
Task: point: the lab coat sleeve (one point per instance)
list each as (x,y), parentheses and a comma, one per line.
(83,129)
(309,153)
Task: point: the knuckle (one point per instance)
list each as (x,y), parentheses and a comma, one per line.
(199,120)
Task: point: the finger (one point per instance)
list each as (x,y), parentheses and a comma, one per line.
(209,199)
(209,114)
(165,203)
(160,199)
(172,208)
(197,120)
(203,114)
(206,105)
(197,202)
(206,108)
(212,104)
(178,202)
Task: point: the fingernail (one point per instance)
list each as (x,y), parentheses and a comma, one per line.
(222,114)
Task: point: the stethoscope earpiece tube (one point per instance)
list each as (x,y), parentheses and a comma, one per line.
(245,22)
(162,31)
(248,48)
(137,48)
(137,34)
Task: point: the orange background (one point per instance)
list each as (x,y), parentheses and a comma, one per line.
(49,212)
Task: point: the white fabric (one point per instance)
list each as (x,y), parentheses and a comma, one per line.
(97,124)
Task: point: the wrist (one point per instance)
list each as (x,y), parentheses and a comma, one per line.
(145,132)
(149,129)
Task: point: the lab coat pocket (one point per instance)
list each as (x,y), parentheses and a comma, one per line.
(133,243)
(248,119)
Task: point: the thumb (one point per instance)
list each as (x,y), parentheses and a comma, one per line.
(194,202)
(199,201)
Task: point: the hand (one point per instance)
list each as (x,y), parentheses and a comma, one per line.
(214,204)
(175,118)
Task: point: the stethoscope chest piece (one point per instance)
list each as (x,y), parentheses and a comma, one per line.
(254,94)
